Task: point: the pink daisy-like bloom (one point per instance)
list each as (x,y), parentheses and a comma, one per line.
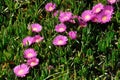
(33,62)
(87,15)
(60,27)
(104,18)
(72,34)
(50,7)
(65,16)
(35,27)
(97,8)
(37,38)
(60,40)
(111,1)
(27,41)
(30,53)
(108,9)
(21,70)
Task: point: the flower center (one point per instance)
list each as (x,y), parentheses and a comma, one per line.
(97,10)
(104,18)
(50,8)
(66,17)
(61,29)
(37,40)
(60,42)
(95,19)
(30,55)
(87,17)
(32,63)
(20,71)
(34,29)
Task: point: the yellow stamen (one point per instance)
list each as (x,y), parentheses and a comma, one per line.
(60,42)
(61,29)
(21,71)
(37,40)
(104,18)
(32,63)
(50,8)
(87,17)
(97,10)
(34,29)
(29,55)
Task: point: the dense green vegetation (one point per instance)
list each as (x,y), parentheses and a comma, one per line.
(94,55)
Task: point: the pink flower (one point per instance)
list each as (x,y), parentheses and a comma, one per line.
(50,7)
(65,16)
(60,27)
(33,62)
(87,15)
(21,70)
(60,40)
(35,27)
(30,53)
(111,1)
(108,9)
(72,34)
(97,8)
(27,41)
(104,18)
(37,38)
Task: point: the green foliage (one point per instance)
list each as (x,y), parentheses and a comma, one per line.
(93,56)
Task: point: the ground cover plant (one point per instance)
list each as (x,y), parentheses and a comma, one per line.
(60,40)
